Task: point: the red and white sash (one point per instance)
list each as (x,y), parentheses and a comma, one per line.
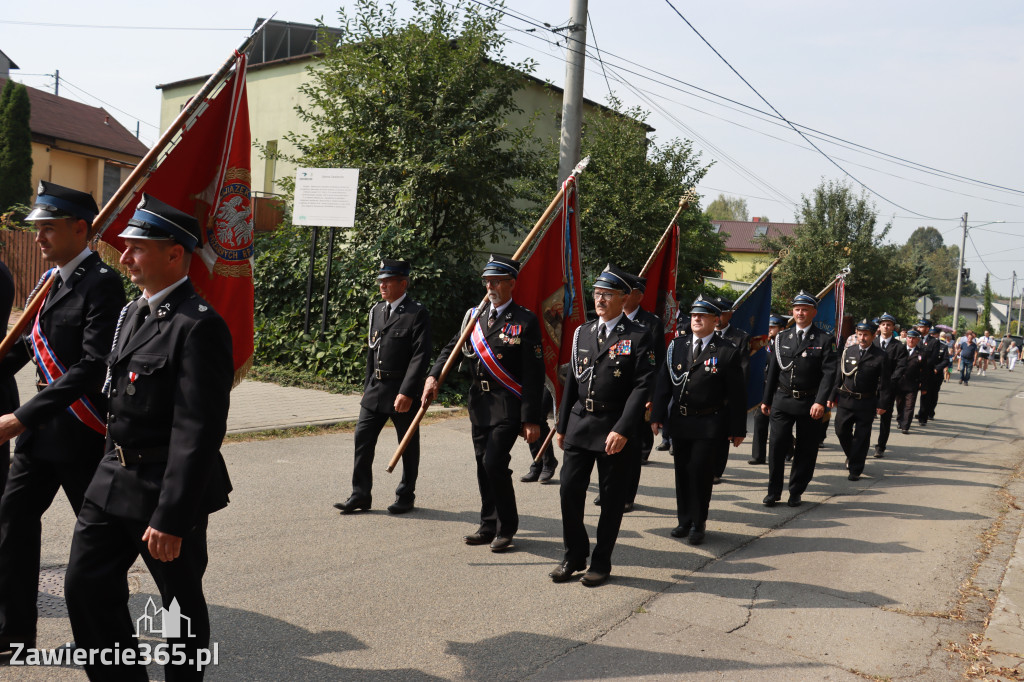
(52,369)
(490,362)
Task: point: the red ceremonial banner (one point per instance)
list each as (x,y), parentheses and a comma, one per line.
(550,285)
(207,174)
(660,295)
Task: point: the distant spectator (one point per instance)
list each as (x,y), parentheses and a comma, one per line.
(1012,355)
(985,347)
(1004,345)
(968,352)
(903,336)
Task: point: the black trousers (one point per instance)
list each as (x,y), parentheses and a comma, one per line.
(30,490)
(492,446)
(884,426)
(368,430)
(577,466)
(930,399)
(905,409)
(853,427)
(695,462)
(633,452)
(805,449)
(721,456)
(103,548)
(548,461)
(759,445)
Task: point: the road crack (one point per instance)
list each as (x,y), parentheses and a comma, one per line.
(750,609)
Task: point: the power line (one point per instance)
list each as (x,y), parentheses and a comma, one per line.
(120,27)
(598,51)
(65,81)
(746,109)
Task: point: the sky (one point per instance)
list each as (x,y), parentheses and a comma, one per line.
(934,88)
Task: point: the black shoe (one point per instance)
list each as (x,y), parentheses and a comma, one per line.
(478,538)
(530,476)
(597,500)
(716,480)
(547,474)
(905,431)
(401,506)
(756,461)
(794,501)
(563,573)
(681,531)
(593,578)
(501,544)
(770,500)
(853,477)
(645,460)
(352,504)
(628,507)
(663,446)
(847,463)
(879,452)
(696,537)
(789,457)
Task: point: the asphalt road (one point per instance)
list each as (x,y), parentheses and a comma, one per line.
(865,579)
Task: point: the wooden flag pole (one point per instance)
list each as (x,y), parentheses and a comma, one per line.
(544,445)
(684,203)
(148,162)
(31,308)
(535,233)
(756,283)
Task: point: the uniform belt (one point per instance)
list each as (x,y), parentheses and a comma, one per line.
(688,411)
(384,374)
(599,406)
(128,456)
(855,396)
(799,395)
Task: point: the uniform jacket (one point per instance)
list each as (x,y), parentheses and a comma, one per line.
(400,345)
(915,371)
(78,321)
(938,358)
(656,327)
(741,340)
(897,353)
(618,376)
(714,379)
(515,341)
(811,368)
(181,362)
(8,386)
(870,379)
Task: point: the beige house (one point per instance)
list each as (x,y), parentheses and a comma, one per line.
(277,67)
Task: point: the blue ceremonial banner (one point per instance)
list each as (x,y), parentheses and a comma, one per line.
(752,317)
(826,315)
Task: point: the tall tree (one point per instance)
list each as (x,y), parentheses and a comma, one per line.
(986,314)
(15,146)
(839,228)
(631,190)
(728,208)
(940,262)
(421,106)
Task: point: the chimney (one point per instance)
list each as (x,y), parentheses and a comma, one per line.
(756,219)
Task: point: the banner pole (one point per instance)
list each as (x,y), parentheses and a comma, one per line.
(684,203)
(535,233)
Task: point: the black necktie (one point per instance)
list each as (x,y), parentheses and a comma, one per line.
(387,311)
(800,336)
(696,348)
(492,318)
(141,313)
(602,335)
(58,282)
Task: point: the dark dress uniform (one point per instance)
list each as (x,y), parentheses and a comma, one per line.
(640,448)
(800,373)
(909,384)
(606,391)
(169,382)
(56,450)
(897,354)
(8,385)
(862,386)
(938,359)
(741,340)
(397,357)
(708,406)
(496,413)
(759,444)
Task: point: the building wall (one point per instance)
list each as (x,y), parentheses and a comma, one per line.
(77,166)
(746,266)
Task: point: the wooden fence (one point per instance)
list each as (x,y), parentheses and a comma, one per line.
(21,254)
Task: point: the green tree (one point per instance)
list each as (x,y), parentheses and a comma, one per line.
(630,191)
(15,146)
(986,313)
(838,228)
(421,106)
(940,262)
(728,208)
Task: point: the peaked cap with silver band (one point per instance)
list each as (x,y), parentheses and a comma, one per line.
(701,306)
(614,278)
(804,298)
(55,201)
(156,220)
(498,266)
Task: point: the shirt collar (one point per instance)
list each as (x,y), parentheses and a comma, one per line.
(611,323)
(501,308)
(704,341)
(632,315)
(68,268)
(398,302)
(802,329)
(159,297)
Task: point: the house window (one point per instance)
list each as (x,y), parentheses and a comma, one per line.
(760,230)
(111,180)
(716,227)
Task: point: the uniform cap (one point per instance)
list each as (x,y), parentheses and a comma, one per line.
(393,268)
(55,201)
(913,334)
(804,298)
(639,283)
(156,220)
(701,306)
(776,321)
(498,266)
(614,278)
(722,303)
(866,325)
(924,322)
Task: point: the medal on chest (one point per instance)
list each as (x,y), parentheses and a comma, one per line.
(130,389)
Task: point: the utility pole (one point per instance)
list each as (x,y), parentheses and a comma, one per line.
(1020,310)
(572,96)
(960,280)
(56,82)
(1009,306)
